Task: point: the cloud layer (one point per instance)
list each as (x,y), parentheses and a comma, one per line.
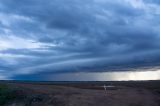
(57,36)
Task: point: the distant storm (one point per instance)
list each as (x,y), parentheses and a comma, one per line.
(47,37)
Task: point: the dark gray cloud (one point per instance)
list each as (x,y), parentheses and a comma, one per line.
(58,36)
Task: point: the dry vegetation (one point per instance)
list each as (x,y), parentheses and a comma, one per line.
(79,94)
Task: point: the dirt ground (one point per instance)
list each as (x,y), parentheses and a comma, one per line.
(62,95)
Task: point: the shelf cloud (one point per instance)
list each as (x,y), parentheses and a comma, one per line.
(61,36)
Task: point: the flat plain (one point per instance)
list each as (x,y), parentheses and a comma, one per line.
(117,93)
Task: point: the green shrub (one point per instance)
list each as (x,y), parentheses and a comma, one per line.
(5,94)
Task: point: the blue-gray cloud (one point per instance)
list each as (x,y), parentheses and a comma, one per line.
(57,36)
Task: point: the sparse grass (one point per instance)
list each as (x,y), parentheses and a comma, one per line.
(7,94)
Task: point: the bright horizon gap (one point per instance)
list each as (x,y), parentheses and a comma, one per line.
(106,76)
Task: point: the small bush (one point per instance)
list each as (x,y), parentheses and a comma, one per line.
(5,94)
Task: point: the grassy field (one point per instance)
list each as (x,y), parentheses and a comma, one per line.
(128,93)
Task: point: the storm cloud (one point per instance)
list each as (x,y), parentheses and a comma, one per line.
(61,36)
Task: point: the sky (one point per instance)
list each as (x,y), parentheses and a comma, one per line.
(41,38)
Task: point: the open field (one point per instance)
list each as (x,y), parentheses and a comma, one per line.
(128,93)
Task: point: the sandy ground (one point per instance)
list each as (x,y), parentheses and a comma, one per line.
(59,95)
